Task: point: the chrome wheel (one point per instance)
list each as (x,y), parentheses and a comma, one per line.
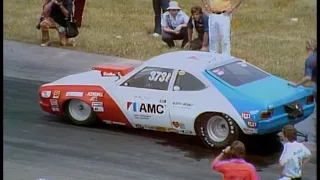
(79,110)
(218,129)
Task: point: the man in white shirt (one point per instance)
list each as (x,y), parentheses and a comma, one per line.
(294,155)
(174,25)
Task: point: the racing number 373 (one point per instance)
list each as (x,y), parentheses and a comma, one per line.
(159,76)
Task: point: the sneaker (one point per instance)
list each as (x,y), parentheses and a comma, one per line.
(48,43)
(156,35)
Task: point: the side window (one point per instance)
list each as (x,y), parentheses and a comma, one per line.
(187,82)
(150,78)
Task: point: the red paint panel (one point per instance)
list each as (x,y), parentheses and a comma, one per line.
(112,112)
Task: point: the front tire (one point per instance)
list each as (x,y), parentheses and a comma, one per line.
(217,130)
(80,113)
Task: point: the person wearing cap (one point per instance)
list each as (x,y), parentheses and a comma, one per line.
(199,21)
(158,5)
(174,25)
(220,12)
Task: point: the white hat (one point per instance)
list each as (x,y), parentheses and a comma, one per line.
(173,5)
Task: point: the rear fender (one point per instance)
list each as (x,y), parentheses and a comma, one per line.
(91,94)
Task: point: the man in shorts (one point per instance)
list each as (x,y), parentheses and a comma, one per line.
(294,155)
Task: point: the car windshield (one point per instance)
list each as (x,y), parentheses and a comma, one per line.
(239,73)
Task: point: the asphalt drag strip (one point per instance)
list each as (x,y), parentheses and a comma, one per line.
(38,145)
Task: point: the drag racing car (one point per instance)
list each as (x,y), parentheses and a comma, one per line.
(213,96)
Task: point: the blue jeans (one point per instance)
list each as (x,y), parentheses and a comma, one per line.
(159,5)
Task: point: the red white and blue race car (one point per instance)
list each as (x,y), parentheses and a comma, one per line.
(213,96)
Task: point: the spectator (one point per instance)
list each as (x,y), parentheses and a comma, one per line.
(200,22)
(78,11)
(314,79)
(158,5)
(174,25)
(294,155)
(310,64)
(234,166)
(55,13)
(219,24)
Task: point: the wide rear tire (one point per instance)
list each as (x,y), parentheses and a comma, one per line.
(217,130)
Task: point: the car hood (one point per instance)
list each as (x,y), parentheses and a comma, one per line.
(273,91)
(84,78)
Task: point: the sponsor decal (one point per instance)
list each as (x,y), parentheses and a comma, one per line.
(250,130)
(107,74)
(146,108)
(245,115)
(141,116)
(74,94)
(252,124)
(162,129)
(182,73)
(95,94)
(154,128)
(163,101)
(220,73)
(54,102)
(187,132)
(94,98)
(182,105)
(114,122)
(97,106)
(56,94)
(243,64)
(177,124)
(55,109)
(173,130)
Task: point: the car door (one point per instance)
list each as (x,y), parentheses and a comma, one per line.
(186,101)
(143,97)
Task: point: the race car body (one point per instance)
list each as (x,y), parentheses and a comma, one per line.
(213,96)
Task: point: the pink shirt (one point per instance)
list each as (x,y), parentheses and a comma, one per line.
(236,169)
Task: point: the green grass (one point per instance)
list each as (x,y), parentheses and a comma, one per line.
(262,31)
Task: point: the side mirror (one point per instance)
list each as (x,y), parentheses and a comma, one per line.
(176,88)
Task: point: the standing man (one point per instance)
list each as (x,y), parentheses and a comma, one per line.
(310,65)
(200,22)
(78,12)
(220,13)
(174,25)
(158,5)
(232,165)
(294,155)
